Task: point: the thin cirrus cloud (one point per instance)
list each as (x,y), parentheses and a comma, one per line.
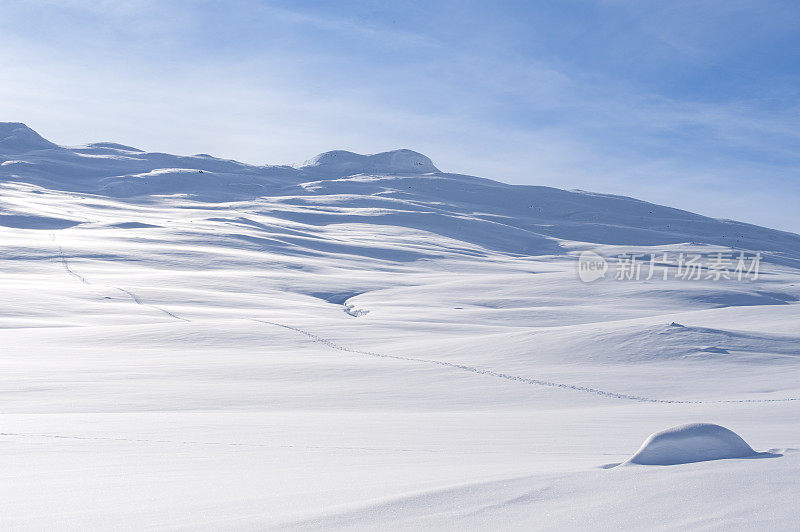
(690,104)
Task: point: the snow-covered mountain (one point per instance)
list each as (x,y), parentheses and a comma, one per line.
(367,342)
(397,188)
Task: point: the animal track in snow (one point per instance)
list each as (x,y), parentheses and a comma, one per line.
(526,380)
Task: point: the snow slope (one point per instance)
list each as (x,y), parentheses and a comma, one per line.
(366,342)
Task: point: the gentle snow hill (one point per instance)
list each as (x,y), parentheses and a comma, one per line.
(400,188)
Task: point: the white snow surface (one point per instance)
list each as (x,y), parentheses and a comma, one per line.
(368,343)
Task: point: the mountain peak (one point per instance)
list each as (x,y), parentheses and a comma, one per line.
(16,137)
(343,163)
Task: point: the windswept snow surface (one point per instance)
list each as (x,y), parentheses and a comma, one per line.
(367,343)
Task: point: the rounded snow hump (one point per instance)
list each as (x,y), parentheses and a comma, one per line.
(340,163)
(695,442)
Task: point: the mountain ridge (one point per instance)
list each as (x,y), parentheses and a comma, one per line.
(400,187)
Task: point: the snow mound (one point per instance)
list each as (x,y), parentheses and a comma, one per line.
(717,350)
(695,442)
(344,163)
(16,137)
(112,146)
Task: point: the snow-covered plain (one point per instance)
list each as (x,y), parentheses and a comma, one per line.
(365,342)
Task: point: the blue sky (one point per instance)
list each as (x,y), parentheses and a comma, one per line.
(692,104)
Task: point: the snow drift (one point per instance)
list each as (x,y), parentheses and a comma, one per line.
(695,442)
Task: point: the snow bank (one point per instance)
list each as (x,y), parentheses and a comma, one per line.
(695,442)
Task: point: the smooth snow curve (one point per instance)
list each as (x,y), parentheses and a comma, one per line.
(695,442)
